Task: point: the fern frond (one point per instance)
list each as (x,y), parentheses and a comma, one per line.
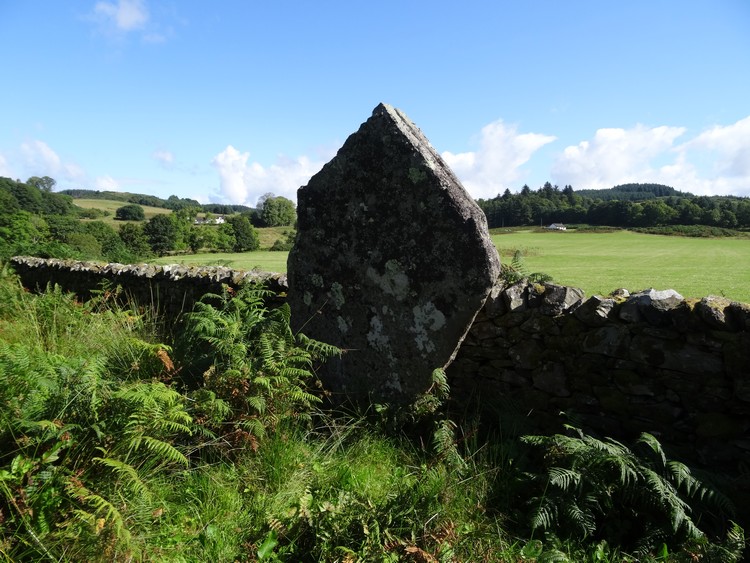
(565,479)
(101,507)
(545,514)
(131,480)
(166,453)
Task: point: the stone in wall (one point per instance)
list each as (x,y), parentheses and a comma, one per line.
(392,261)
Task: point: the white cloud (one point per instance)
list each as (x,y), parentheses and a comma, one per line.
(41,160)
(498,161)
(730,146)
(614,156)
(116,19)
(106,183)
(164,158)
(241,182)
(4,169)
(124,15)
(716,161)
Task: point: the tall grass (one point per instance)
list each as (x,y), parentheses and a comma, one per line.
(115,446)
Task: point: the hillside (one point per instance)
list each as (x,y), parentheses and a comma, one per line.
(633,192)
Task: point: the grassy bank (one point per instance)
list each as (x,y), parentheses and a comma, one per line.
(598,263)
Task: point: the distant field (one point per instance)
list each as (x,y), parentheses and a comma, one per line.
(112,206)
(602,262)
(598,263)
(261,259)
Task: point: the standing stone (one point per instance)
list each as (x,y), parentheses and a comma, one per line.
(392,262)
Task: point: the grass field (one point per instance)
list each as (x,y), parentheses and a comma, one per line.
(261,260)
(111,206)
(603,262)
(598,263)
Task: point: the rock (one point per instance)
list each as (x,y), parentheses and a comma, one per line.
(515,296)
(620,294)
(559,299)
(594,311)
(652,305)
(715,311)
(392,262)
(495,305)
(551,379)
(741,313)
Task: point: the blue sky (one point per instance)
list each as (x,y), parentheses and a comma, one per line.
(225,101)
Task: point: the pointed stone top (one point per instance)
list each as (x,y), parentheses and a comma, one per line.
(392,261)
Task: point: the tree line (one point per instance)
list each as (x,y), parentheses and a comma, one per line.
(631,205)
(34,220)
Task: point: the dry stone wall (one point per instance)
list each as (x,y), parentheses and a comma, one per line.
(171,289)
(621,365)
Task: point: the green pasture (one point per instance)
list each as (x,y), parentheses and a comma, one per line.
(264,260)
(111,206)
(598,263)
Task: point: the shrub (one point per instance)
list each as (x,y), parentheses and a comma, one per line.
(130,212)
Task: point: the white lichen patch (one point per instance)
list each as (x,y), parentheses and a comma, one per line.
(342,324)
(316,280)
(307,298)
(376,338)
(337,295)
(426,318)
(393,281)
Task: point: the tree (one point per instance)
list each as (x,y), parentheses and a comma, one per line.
(135,240)
(656,212)
(130,212)
(28,197)
(245,236)
(112,247)
(45,183)
(161,233)
(225,240)
(278,211)
(57,204)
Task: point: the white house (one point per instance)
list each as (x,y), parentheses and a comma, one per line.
(557,227)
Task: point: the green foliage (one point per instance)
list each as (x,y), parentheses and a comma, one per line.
(161,232)
(245,235)
(247,356)
(75,438)
(45,183)
(277,211)
(130,212)
(134,238)
(633,205)
(285,244)
(637,500)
